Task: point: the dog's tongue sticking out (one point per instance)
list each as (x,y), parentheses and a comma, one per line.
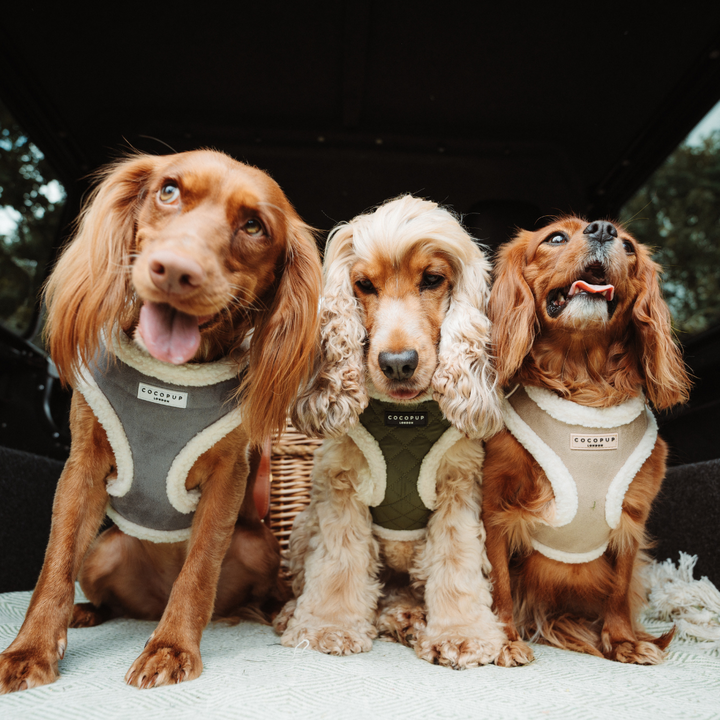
(581,286)
(168,334)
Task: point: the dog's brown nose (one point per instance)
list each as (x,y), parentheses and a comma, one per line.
(174,273)
(601,231)
(398,366)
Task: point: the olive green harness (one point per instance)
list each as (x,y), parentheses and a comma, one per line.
(403,445)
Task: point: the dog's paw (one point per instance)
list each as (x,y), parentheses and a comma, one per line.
(638,652)
(164,664)
(86,615)
(402,623)
(514,654)
(332,640)
(456,650)
(282,619)
(25,668)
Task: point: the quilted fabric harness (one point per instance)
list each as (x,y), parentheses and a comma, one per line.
(403,446)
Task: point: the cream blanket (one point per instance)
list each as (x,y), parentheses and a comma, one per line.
(248,674)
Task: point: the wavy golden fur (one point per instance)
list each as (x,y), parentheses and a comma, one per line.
(189,255)
(403,321)
(595,352)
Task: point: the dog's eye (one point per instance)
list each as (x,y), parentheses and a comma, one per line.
(556,239)
(168,193)
(629,248)
(430,281)
(365,286)
(253,227)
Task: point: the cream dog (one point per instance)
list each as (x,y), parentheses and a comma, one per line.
(392,541)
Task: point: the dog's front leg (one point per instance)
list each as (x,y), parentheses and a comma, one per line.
(336,609)
(172,654)
(462,630)
(516,651)
(620,638)
(78,509)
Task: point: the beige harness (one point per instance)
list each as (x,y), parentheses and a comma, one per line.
(590,456)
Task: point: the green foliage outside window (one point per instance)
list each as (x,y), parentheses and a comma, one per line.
(677,212)
(31,201)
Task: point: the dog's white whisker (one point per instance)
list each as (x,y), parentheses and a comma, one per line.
(303,645)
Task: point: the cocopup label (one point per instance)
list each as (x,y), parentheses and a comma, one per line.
(162,396)
(600,441)
(406,418)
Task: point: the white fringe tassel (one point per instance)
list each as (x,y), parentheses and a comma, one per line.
(693,605)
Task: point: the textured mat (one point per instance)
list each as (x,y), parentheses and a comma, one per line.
(248,674)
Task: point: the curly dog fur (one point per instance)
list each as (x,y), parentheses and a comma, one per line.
(404,279)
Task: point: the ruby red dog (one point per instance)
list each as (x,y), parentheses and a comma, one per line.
(203,262)
(582,338)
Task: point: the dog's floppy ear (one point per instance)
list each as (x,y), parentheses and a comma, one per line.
(336,393)
(464,382)
(284,339)
(512,310)
(88,289)
(666,379)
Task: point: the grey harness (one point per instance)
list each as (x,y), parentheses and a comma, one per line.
(159,419)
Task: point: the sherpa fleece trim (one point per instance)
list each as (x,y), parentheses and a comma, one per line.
(185,375)
(399,535)
(563,485)
(189,374)
(621,482)
(114,430)
(372,491)
(143,533)
(571,413)
(180,498)
(568,557)
(427,477)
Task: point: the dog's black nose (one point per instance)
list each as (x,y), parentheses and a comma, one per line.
(398,366)
(601,231)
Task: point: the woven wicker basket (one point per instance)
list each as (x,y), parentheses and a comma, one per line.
(291,465)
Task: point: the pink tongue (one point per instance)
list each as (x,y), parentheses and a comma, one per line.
(170,335)
(607,290)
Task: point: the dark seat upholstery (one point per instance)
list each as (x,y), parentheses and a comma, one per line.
(685,517)
(27,487)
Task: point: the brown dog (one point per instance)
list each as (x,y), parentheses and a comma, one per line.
(583,336)
(205,264)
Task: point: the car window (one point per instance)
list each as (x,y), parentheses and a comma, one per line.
(677,212)
(31,202)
